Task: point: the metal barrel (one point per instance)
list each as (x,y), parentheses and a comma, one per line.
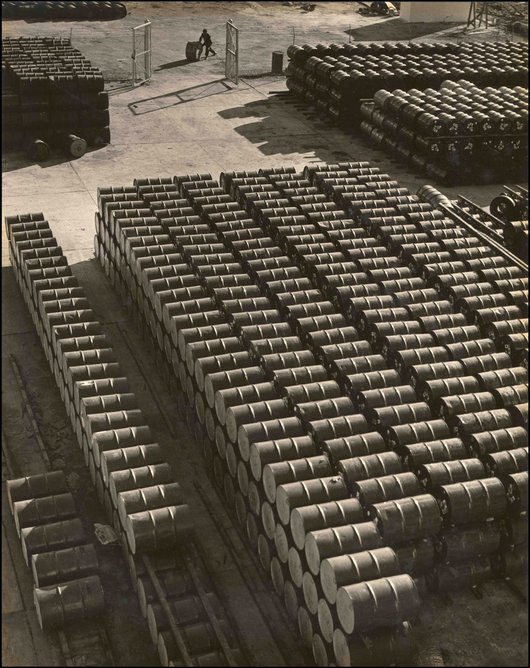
(46,509)
(297,494)
(222,380)
(321,649)
(384,646)
(63,565)
(462,543)
(281,450)
(328,620)
(369,466)
(360,445)
(279,473)
(407,519)
(100,387)
(322,516)
(123,437)
(74,601)
(109,403)
(386,488)
(267,430)
(292,598)
(307,625)
(278,573)
(332,542)
(312,591)
(148,498)
(461,575)
(352,568)
(265,551)
(52,536)
(97,422)
(238,396)
(130,457)
(142,476)
(472,501)
(158,528)
(35,486)
(381,602)
(433,475)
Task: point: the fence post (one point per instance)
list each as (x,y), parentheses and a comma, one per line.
(349,35)
(294,36)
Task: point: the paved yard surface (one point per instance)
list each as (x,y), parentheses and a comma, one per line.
(190,119)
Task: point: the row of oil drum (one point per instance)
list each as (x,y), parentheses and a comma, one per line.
(447,398)
(133,481)
(416,341)
(51,90)
(270,202)
(460,133)
(335,80)
(235,318)
(67,588)
(62,11)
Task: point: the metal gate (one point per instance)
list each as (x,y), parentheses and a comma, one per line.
(141,53)
(232,52)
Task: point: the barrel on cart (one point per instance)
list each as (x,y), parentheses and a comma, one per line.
(193,51)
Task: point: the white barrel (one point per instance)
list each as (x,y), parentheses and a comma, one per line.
(347,539)
(297,494)
(323,516)
(383,602)
(347,569)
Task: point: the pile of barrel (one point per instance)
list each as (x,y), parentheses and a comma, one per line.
(67,588)
(336,78)
(62,11)
(134,483)
(354,360)
(51,97)
(458,134)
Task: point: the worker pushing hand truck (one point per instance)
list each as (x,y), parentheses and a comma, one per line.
(206,41)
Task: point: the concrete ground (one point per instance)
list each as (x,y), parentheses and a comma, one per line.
(190,119)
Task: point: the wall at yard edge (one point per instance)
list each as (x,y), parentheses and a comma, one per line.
(434,12)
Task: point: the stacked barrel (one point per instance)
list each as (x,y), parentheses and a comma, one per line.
(459,133)
(336,78)
(67,588)
(62,11)
(134,483)
(304,338)
(52,97)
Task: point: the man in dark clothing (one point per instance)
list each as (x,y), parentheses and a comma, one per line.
(207,41)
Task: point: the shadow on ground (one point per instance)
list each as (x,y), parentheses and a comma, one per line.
(394,29)
(13,160)
(283,128)
(180,96)
(175,63)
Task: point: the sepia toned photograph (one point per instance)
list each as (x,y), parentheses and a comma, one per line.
(264,333)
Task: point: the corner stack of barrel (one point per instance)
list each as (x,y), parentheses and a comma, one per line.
(32,10)
(52,98)
(340,344)
(128,468)
(460,133)
(67,588)
(337,77)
